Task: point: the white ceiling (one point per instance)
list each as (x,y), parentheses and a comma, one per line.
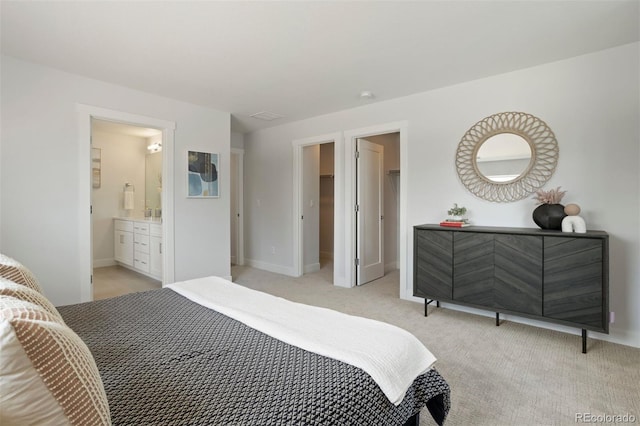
(301,59)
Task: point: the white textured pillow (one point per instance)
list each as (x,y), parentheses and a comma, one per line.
(10,288)
(48,374)
(15,271)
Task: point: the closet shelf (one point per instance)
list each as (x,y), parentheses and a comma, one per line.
(326,176)
(393,172)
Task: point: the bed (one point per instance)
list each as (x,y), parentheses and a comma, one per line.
(165,359)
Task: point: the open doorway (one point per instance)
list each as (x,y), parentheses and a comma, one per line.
(126,208)
(378,206)
(316,195)
(395,259)
(237,206)
(318,209)
(161,235)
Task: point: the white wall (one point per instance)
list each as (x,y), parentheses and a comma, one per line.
(237,140)
(591,102)
(123,161)
(40,167)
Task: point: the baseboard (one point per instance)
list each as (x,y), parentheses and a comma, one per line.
(314,267)
(628,338)
(265,266)
(391,266)
(102,263)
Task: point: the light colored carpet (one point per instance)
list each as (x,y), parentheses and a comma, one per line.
(514,374)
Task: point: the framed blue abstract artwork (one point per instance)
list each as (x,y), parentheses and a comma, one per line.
(202,175)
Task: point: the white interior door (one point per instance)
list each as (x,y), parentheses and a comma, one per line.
(370,211)
(310,208)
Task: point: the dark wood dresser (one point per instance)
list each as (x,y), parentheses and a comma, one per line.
(552,276)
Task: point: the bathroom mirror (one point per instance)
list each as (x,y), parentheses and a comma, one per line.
(153,181)
(506,156)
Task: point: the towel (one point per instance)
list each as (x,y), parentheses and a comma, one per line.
(390,355)
(128,200)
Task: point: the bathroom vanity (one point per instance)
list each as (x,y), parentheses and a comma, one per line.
(138,245)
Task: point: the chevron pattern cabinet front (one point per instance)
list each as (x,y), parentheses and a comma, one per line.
(553,276)
(433,265)
(518,273)
(573,281)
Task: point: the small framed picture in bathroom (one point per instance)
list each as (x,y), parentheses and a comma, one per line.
(202,174)
(96,167)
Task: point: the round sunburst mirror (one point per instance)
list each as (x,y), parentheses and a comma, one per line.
(507,156)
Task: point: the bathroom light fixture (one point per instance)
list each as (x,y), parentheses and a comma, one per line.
(365,94)
(155,147)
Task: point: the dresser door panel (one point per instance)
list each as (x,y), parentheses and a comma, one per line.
(573,280)
(518,273)
(434,263)
(473,268)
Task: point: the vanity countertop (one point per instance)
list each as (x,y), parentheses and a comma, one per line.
(140,219)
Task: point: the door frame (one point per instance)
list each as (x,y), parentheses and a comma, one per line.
(84,114)
(240,200)
(349,217)
(298,232)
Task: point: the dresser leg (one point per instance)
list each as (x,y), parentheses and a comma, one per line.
(427,302)
(497,319)
(584,341)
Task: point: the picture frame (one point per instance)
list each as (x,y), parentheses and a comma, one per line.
(203,171)
(96,167)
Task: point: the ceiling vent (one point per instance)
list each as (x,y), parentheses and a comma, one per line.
(266,116)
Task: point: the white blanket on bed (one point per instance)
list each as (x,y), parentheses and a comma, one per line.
(393,357)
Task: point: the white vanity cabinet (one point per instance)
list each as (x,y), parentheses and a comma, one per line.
(155,250)
(123,242)
(138,245)
(141,246)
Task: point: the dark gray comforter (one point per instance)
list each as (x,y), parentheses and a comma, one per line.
(165,360)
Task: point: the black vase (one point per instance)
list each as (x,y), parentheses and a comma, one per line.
(549,216)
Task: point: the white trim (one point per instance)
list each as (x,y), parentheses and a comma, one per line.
(239,259)
(391,266)
(338,177)
(102,263)
(271,267)
(84,114)
(350,137)
(313,267)
(168,204)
